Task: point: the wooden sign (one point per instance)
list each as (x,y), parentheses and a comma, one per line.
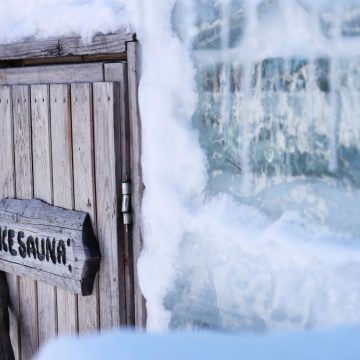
(49,244)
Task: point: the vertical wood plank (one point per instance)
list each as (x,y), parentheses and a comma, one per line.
(41,147)
(24,190)
(108,187)
(62,167)
(126,177)
(84,186)
(136,176)
(7,189)
(118,72)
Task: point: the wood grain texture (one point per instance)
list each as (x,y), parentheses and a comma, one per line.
(54,74)
(99,136)
(28,319)
(118,72)
(7,188)
(66,46)
(136,175)
(84,186)
(61,141)
(41,149)
(114,72)
(7,184)
(48,243)
(108,196)
(22,139)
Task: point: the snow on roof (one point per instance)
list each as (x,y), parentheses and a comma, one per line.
(41,19)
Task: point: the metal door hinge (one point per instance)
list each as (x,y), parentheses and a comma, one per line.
(126,202)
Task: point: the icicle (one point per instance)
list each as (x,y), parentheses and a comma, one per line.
(189,14)
(226,61)
(247,101)
(334,91)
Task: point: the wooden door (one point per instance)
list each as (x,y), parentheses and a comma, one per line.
(64,139)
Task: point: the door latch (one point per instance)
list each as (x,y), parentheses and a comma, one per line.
(126,202)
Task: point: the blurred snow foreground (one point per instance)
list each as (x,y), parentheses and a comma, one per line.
(337,344)
(251,145)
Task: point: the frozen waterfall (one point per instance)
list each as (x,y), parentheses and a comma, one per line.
(276,243)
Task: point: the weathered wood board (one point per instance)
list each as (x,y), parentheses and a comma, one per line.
(85,187)
(26,338)
(60,47)
(48,243)
(136,175)
(58,74)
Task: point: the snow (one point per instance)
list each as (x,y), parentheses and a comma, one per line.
(214,256)
(41,19)
(330,345)
(174,166)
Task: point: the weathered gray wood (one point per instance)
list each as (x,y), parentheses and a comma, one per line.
(108,187)
(22,138)
(123,152)
(118,72)
(24,189)
(100,44)
(6,145)
(99,203)
(114,71)
(7,188)
(54,74)
(61,141)
(7,178)
(48,243)
(6,350)
(42,174)
(84,187)
(136,175)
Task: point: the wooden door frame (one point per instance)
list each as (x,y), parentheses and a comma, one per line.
(103,47)
(16,60)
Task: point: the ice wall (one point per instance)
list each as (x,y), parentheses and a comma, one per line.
(268,236)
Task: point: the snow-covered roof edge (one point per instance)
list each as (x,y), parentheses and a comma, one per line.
(101,44)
